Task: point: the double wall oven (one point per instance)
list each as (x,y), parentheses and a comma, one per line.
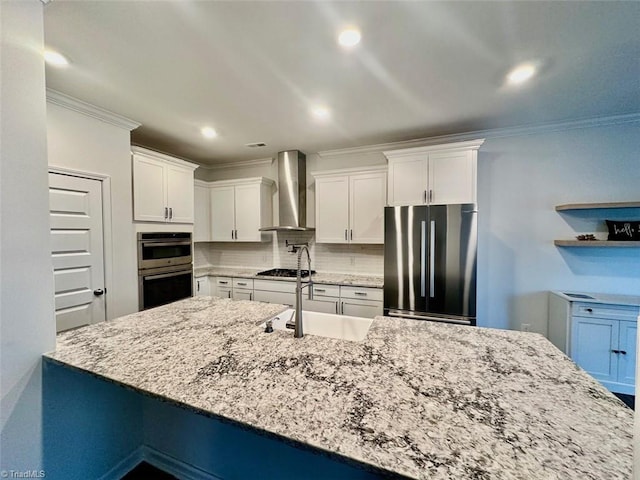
(165,268)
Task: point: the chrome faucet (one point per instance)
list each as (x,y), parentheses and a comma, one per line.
(298,248)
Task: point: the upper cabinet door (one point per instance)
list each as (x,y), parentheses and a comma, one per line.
(332,209)
(247,202)
(201,214)
(452,178)
(367,199)
(408,180)
(149,195)
(222,214)
(180,194)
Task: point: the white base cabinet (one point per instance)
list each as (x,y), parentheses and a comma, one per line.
(344,300)
(600,337)
(163,187)
(433,175)
(201,286)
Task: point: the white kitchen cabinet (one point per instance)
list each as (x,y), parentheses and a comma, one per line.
(163,187)
(599,334)
(201,286)
(202,212)
(350,205)
(221,286)
(239,208)
(360,301)
(274,291)
(322,298)
(242,289)
(344,300)
(433,175)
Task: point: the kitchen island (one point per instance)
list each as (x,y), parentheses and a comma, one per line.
(413,400)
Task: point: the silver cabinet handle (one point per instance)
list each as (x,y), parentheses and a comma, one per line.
(166,212)
(360,293)
(432,259)
(198,286)
(242,283)
(342,308)
(319,290)
(351,234)
(430,195)
(170,213)
(424,197)
(345,234)
(231,234)
(222,283)
(250,295)
(423,256)
(336,308)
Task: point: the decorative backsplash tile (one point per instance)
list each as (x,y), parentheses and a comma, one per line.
(338,258)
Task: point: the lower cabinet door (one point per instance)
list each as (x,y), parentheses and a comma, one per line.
(592,347)
(224,292)
(323,305)
(201,286)
(284,298)
(242,295)
(627,355)
(361,308)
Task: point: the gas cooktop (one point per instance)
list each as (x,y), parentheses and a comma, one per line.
(285,272)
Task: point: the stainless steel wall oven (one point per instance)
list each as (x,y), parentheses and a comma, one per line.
(165,269)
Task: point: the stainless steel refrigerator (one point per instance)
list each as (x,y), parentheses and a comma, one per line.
(430,262)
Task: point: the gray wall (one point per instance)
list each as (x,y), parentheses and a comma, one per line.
(27,325)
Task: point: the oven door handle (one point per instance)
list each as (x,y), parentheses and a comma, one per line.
(164,244)
(165,275)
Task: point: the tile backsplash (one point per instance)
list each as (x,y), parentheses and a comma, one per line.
(325,257)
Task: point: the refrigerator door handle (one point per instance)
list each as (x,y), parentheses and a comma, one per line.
(423,254)
(432,259)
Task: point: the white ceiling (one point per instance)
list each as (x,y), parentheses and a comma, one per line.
(252,70)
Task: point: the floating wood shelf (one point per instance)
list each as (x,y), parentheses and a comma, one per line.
(589,206)
(596,243)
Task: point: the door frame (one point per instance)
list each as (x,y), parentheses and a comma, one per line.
(107,240)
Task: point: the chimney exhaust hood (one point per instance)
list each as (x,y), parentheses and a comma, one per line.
(292,192)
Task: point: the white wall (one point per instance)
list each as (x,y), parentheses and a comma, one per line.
(27,324)
(520,181)
(80,142)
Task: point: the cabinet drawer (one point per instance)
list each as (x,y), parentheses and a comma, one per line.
(223,281)
(613,312)
(322,290)
(285,298)
(243,283)
(274,286)
(361,293)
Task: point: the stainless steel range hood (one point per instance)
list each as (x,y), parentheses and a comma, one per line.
(292,192)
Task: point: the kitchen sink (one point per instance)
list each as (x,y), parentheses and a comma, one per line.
(343,327)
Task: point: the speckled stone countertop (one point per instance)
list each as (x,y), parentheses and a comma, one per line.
(374,281)
(415,399)
(600,298)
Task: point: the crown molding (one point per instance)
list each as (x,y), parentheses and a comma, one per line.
(241,164)
(346,171)
(489,133)
(63,100)
(137,150)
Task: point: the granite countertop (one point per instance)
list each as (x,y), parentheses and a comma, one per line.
(600,298)
(373,281)
(417,399)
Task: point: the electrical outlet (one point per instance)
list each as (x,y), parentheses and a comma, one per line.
(525,327)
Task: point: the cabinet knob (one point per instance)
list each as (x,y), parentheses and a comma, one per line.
(616,351)
(98,292)
(590,310)
(623,352)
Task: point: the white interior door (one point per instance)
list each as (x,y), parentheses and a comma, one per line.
(77,249)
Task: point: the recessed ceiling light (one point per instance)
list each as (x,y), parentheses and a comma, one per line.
(208,132)
(349,37)
(55,58)
(320,112)
(521,73)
